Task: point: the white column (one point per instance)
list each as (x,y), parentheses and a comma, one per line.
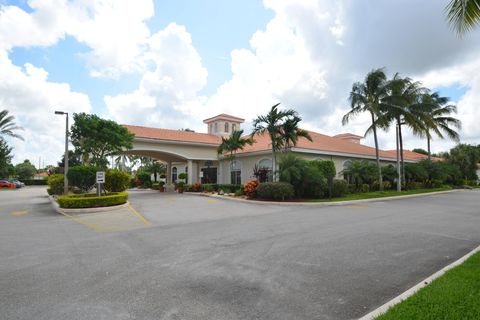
(192,176)
(169,173)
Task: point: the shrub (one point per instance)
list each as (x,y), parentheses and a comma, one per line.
(275,190)
(239,193)
(82,177)
(182,176)
(196,187)
(91,200)
(188,188)
(155,185)
(364,188)
(387,185)
(209,187)
(144,179)
(228,188)
(412,185)
(340,188)
(35,182)
(250,188)
(116,180)
(55,184)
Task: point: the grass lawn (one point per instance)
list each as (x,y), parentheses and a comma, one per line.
(378,194)
(455,295)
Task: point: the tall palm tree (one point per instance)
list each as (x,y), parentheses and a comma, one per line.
(402,107)
(290,132)
(8,125)
(463,15)
(233,143)
(368,97)
(438,120)
(271,124)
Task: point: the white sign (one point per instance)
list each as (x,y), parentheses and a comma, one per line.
(100,176)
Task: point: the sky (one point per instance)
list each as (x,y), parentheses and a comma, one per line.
(173,63)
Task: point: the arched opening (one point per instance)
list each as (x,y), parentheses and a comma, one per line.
(264,170)
(174,174)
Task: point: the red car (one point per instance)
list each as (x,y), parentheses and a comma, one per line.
(7,184)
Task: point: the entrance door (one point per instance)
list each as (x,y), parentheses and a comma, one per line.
(209,175)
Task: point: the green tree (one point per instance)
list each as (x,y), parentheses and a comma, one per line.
(156,168)
(5,159)
(232,144)
(466,158)
(361,172)
(73,160)
(463,15)
(8,126)
(403,108)
(368,97)
(95,138)
(290,132)
(271,124)
(437,118)
(421,151)
(25,170)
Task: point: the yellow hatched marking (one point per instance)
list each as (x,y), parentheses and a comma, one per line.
(19,213)
(210,200)
(144,220)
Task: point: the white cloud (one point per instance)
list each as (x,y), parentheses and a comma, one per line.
(32,99)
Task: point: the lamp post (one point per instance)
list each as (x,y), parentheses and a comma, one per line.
(65,179)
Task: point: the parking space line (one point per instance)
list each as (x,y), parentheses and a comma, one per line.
(18,213)
(144,220)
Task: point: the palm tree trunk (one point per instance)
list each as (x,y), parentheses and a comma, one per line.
(402,162)
(428,146)
(274,165)
(377,156)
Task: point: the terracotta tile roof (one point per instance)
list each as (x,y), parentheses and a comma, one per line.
(326,143)
(224,115)
(173,135)
(343,135)
(320,142)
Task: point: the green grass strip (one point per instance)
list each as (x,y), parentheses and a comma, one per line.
(453,296)
(379,194)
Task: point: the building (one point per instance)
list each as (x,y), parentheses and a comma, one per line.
(196,153)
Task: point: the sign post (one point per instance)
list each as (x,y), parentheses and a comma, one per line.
(100,182)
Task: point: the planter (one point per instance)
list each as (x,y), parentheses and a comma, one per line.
(180,190)
(161,189)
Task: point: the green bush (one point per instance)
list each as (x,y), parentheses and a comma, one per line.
(144,178)
(155,185)
(210,187)
(228,188)
(364,188)
(275,190)
(35,182)
(412,185)
(116,180)
(91,200)
(82,177)
(340,188)
(239,193)
(55,184)
(182,176)
(387,185)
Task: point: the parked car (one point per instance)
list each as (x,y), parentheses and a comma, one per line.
(18,184)
(7,184)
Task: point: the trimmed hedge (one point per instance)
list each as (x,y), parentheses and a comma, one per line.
(116,180)
(91,200)
(82,177)
(55,184)
(35,182)
(275,190)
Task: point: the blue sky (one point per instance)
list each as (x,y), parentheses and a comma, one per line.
(173,63)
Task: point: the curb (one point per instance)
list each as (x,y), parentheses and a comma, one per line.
(320,204)
(410,292)
(57,208)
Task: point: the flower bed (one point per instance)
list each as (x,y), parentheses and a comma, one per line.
(91,200)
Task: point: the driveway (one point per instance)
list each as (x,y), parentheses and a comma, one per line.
(203,258)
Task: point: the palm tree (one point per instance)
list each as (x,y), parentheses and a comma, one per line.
(368,97)
(233,143)
(8,126)
(290,132)
(463,15)
(402,107)
(271,124)
(438,120)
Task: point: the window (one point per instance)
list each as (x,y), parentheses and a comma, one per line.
(226,126)
(234,127)
(174,174)
(216,127)
(210,128)
(264,170)
(235,173)
(186,172)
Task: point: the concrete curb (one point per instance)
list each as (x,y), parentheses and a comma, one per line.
(84,210)
(320,204)
(384,308)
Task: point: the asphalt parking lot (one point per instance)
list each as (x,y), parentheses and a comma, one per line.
(203,258)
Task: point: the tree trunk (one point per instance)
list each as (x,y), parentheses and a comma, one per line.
(274,165)
(428,146)
(377,156)
(402,166)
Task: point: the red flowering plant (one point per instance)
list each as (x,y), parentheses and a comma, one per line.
(250,188)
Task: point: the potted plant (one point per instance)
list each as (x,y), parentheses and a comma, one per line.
(182,176)
(180,186)
(161,187)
